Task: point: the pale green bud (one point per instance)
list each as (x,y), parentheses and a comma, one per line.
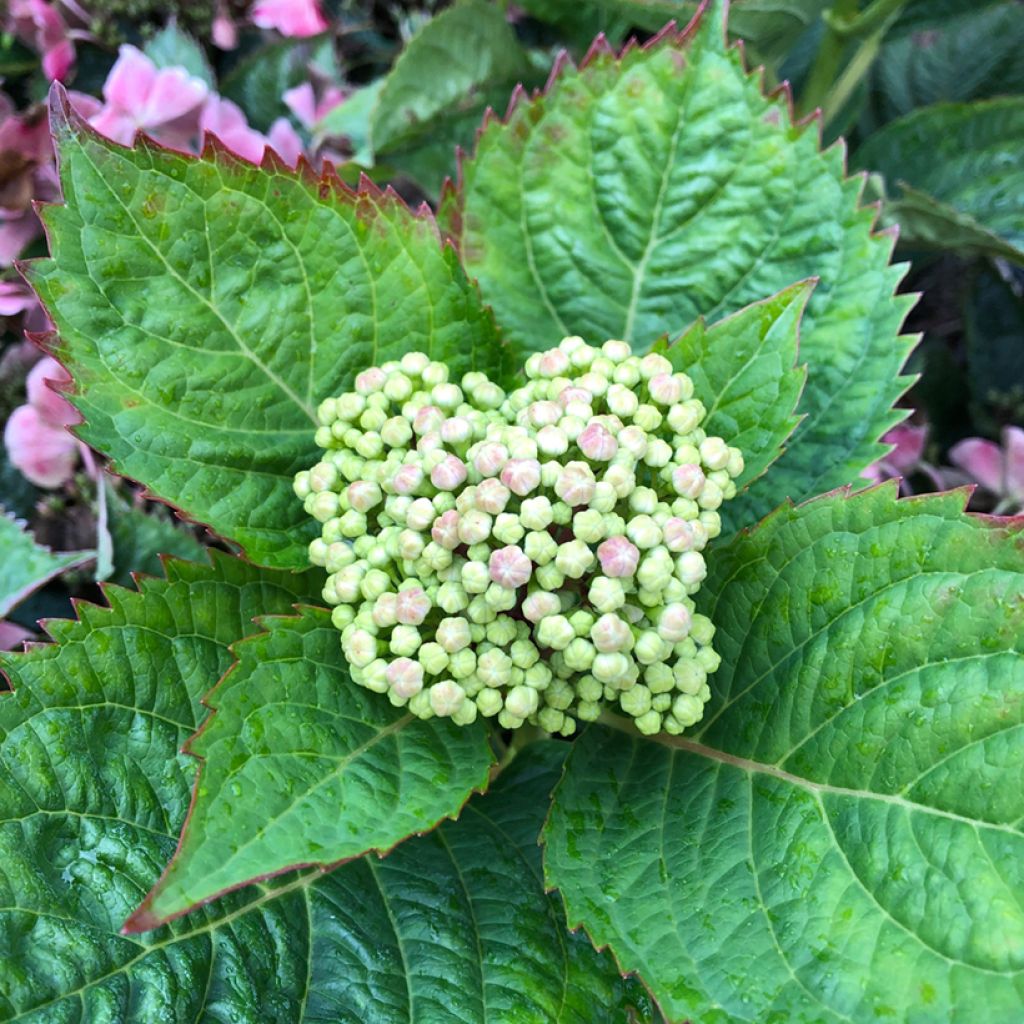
(481,612)
(559,695)
(524,653)
(522,701)
(606,595)
(540,547)
(587,711)
(689,676)
(687,710)
(476,577)
(611,668)
(502,632)
(579,655)
(644,532)
(507,528)
(650,648)
(648,724)
(702,630)
(405,641)
(549,576)
(453,634)
(659,679)
(556,632)
(489,702)
(433,657)
(462,664)
(574,558)
(550,720)
(636,701)
(588,526)
(318,552)
(535,513)
(709,660)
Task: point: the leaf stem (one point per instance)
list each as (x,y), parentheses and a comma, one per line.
(829,56)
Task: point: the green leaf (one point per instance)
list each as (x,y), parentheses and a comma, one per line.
(963,155)
(446,69)
(302,766)
(141,536)
(206,306)
(744,369)
(638,193)
(994,326)
(841,838)
(171,47)
(26,565)
(453,926)
(926,223)
(973,55)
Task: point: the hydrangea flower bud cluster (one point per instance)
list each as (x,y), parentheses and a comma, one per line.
(531,556)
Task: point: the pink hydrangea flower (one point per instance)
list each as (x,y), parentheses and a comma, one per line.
(905,459)
(303,103)
(999,469)
(36,437)
(224,31)
(40,25)
(139,96)
(295,18)
(225,120)
(619,557)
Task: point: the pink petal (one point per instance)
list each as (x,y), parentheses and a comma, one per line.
(58,60)
(909,441)
(11,634)
(224,30)
(44,453)
(981,460)
(15,234)
(301,101)
(15,298)
(1013,447)
(86,105)
(332,97)
(297,18)
(225,119)
(130,82)
(285,141)
(174,93)
(50,405)
(115,124)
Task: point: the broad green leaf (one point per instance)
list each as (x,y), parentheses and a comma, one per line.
(840,840)
(639,193)
(25,566)
(926,223)
(744,370)
(994,326)
(302,766)
(964,155)
(141,536)
(443,80)
(172,47)
(970,56)
(451,927)
(205,307)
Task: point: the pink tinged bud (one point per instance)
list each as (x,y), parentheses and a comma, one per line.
(543,414)
(406,479)
(52,407)
(456,430)
(665,389)
(492,496)
(509,567)
(449,475)
(405,677)
(363,495)
(412,606)
(474,527)
(688,480)
(521,476)
(610,633)
(597,443)
(674,624)
(575,484)
(430,442)
(490,459)
(446,530)
(385,610)
(553,363)
(541,604)
(370,381)
(421,514)
(46,454)
(634,440)
(574,394)
(619,557)
(678,534)
(427,420)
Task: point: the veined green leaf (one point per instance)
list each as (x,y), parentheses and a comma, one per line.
(841,838)
(744,369)
(640,192)
(303,766)
(449,66)
(451,927)
(25,566)
(205,307)
(963,155)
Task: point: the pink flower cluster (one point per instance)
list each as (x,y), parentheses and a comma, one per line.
(36,437)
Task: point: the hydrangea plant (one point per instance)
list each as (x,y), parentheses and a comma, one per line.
(635,366)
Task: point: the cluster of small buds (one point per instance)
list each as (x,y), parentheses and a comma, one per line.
(532,555)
